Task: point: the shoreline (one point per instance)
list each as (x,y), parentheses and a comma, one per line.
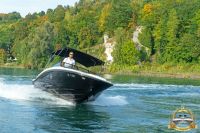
(11,66)
(180,75)
(161,75)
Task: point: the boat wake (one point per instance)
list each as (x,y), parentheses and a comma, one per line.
(135,86)
(29,93)
(105,100)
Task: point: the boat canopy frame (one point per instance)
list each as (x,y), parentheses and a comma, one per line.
(80,57)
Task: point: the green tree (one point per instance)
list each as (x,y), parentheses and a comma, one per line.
(124,52)
(61,34)
(42,45)
(171,36)
(196,21)
(188,49)
(59,13)
(2,56)
(14,16)
(31,17)
(159,34)
(85,37)
(50,15)
(145,38)
(120,15)
(42,13)
(103,17)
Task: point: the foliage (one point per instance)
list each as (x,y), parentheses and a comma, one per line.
(104,15)
(10,17)
(119,16)
(125,51)
(2,56)
(171,30)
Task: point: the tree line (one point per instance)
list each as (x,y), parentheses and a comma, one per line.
(170,30)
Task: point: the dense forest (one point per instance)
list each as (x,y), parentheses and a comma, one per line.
(170,31)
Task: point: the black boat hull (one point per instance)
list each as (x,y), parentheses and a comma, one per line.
(71,85)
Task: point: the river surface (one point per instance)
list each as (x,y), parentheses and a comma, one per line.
(133,104)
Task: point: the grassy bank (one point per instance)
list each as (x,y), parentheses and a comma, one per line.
(157,70)
(12,65)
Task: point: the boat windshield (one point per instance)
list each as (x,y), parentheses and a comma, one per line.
(75,67)
(57,64)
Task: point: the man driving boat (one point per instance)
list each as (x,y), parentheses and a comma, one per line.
(69,61)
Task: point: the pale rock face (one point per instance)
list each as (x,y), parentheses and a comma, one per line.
(105,38)
(136,34)
(138,45)
(109,45)
(135,37)
(108,52)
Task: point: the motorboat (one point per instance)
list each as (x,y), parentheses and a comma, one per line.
(76,83)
